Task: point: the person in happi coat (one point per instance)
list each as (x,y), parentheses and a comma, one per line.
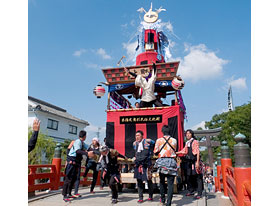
(110,166)
(192,161)
(147,84)
(92,163)
(143,165)
(166,163)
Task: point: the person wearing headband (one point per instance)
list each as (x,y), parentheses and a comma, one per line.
(143,165)
(92,163)
(109,164)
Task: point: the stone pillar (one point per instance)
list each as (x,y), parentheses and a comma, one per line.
(57,162)
(242,152)
(58,151)
(242,168)
(225,162)
(219,159)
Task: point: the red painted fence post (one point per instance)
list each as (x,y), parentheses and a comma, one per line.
(242,169)
(225,161)
(57,162)
(218,172)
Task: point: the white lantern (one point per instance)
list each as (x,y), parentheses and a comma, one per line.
(177,83)
(99,91)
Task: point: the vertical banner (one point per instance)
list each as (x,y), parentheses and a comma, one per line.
(152,131)
(173,124)
(110,133)
(130,130)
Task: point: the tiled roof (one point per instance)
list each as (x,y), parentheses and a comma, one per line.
(52,109)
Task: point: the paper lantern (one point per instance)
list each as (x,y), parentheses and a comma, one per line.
(99,91)
(177,83)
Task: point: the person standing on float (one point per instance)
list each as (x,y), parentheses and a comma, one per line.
(147,85)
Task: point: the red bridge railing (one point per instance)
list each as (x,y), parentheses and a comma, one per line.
(231,184)
(35,175)
(83,181)
(235,182)
(54,179)
(247,193)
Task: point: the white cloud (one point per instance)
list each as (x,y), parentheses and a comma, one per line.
(186,47)
(168,26)
(132,22)
(103,53)
(91,65)
(168,55)
(130,51)
(78,53)
(224,110)
(200,63)
(239,83)
(124,26)
(201,124)
(92,132)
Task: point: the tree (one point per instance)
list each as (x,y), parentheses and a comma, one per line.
(232,123)
(44,149)
(64,147)
(204,156)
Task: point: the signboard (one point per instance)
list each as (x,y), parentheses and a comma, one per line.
(141,119)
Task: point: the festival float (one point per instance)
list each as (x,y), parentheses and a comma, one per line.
(123,120)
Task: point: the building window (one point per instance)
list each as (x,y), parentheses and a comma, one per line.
(72,129)
(52,124)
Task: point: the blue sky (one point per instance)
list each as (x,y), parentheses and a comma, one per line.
(69,42)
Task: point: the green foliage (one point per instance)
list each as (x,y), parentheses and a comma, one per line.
(45,146)
(204,156)
(232,123)
(64,147)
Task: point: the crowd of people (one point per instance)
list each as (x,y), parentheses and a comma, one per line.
(104,159)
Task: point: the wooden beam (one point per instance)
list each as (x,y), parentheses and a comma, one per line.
(210,153)
(213,144)
(210,132)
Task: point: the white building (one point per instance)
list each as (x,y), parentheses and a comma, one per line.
(55,121)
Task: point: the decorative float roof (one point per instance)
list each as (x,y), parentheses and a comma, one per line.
(119,81)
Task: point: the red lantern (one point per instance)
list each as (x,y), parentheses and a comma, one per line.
(99,91)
